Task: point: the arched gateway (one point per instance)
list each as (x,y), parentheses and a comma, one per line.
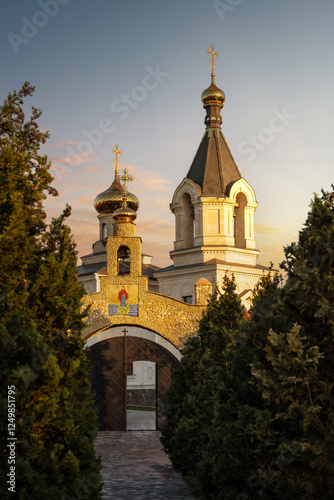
(110,353)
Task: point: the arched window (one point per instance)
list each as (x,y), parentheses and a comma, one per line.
(188,221)
(104,231)
(123,260)
(239,221)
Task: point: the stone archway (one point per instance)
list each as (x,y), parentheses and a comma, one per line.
(109,351)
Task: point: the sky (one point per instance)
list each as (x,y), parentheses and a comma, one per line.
(131,73)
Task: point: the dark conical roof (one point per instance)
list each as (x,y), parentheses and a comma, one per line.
(213,167)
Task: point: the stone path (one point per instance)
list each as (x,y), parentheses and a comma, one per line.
(134,467)
(141,420)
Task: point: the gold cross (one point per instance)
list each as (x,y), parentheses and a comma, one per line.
(212,60)
(116,160)
(125,179)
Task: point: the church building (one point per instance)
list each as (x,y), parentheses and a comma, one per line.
(139,312)
(214,219)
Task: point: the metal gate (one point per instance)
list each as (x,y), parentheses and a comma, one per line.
(108,376)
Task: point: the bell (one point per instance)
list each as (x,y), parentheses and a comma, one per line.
(123,253)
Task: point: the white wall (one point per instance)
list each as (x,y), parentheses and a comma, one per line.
(143,375)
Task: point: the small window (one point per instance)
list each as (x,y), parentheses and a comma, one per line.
(104,231)
(129,368)
(188,299)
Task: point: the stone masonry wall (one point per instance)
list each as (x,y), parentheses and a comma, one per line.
(171,318)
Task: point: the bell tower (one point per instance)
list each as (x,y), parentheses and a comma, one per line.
(214,205)
(214,214)
(124,248)
(118,249)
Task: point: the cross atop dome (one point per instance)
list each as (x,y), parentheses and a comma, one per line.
(212,60)
(116,160)
(125,179)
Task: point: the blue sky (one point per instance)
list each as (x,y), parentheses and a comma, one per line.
(85,57)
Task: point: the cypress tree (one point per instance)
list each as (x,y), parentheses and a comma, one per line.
(43,354)
(272,433)
(268,432)
(206,361)
(238,439)
(297,378)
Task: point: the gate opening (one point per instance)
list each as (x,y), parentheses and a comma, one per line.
(113,360)
(141,395)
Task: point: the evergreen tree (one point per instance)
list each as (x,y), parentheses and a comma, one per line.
(267,426)
(298,378)
(41,322)
(239,441)
(205,362)
(272,433)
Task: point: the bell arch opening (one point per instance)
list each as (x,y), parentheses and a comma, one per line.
(239,221)
(123,261)
(188,221)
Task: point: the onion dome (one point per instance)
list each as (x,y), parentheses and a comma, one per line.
(213,95)
(124,213)
(110,200)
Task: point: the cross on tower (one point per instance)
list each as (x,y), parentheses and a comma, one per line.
(117,152)
(212,60)
(125,179)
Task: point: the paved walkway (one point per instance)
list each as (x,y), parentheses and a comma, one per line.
(134,467)
(139,420)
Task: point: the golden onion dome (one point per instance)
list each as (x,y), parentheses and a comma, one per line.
(112,199)
(125,213)
(213,95)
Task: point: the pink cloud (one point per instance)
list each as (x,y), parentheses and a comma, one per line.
(78,158)
(61,144)
(148,180)
(92,169)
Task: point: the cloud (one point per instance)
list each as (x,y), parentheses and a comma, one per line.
(61,144)
(85,200)
(92,169)
(149,180)
(78,159)
(156,232)
(265,228)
